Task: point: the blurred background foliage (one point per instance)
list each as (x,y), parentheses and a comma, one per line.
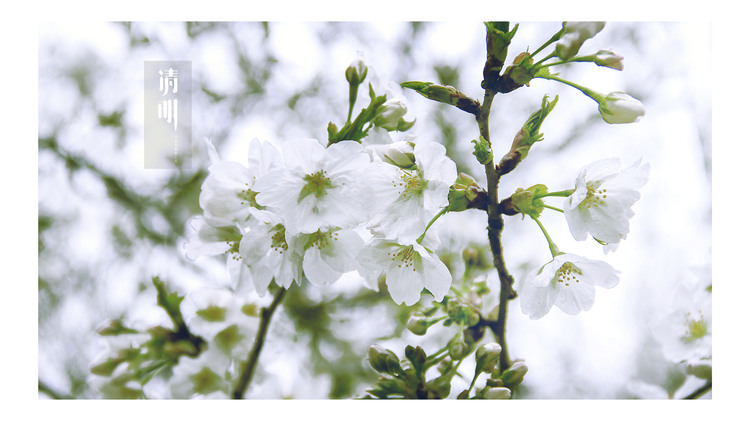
(107,225)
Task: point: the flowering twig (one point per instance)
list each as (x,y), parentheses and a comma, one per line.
(249,367)
(495,227)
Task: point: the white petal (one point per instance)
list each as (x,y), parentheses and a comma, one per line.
(574,297)
(404,284)
(342,251)
(437,277)
(317,270)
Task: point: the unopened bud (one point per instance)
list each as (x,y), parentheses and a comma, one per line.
(438,388)
(515,374)
(383,360)
(114,327)
(445,94)
(619,107)
(417,324)
(400,154)
(390,114)
(497,393)
(701,369)
(464,191)
(487,357)
(457,348)
(576,33)
(527,201)
(357,71)
(607,58)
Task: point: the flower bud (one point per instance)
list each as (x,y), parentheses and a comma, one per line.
(357,71)
(464,191)
(526,201)
(487,356)
(438,388)
(607,58)
(515,374)
(576,33)
(482,151)
(497,393)
(457,348)
(383,360)
(390,113)
(701,369)
(114,327)
(619,107)
(400,154)
(417,324)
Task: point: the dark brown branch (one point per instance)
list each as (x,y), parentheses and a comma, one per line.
(700,391)
(495,227)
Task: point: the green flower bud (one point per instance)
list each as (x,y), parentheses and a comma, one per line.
(497,393)
(357,71)
(464,191)
(701,369)
(438,388)
(445,94)
(457,347)
(482,151)
(113,328)
(417,324)
(527,201)
(390,386)
(383,360)
(515,374)
(487,357)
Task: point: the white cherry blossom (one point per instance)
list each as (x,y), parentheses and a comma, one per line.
(602,200)
(207,239)
(317,186)
(567,282)
(227,193)
(267,253)
(328,254)
(408,270)
(401,201)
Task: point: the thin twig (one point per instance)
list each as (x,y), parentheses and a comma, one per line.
(249,367)
(700,391)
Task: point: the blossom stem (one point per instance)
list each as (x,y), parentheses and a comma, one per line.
(586,91)
(553,208)
(353,89)
(562,193)
(249,367)
(552,247)
(553,38)
(429,224)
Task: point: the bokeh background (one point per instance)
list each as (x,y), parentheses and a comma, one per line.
(107,225)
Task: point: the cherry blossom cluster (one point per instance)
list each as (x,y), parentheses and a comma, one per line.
(310,212)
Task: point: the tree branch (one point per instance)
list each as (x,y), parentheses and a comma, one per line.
(248,368)
(700,391)
(495,227)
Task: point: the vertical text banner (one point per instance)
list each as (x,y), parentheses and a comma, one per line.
(168,112)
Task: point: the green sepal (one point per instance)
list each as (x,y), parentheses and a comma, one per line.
(528,201)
